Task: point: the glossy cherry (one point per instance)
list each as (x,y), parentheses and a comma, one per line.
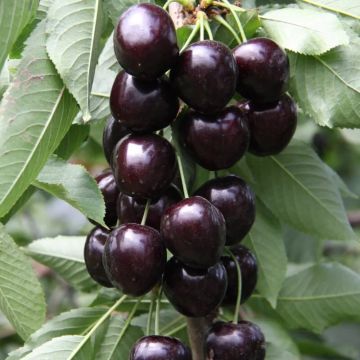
(134,258)
(130,209)
(113,131)
(236,201)
(228,341)
(143,106)
(145,41)
(93,253)
(263,70)
(205,76)
(159,348)
(272,126)
(249,272)
(194,231)
(215,141)
(144,165)
(194,292)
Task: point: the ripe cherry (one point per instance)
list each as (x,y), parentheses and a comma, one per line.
(236,201)
(93,253)
(271,126)
(194,231)
(143,106)
(159,348)
(144,165)
(205,76)
(263,70)
(145,41)
(134,258)
(194,292)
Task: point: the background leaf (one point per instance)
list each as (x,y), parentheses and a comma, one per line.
(345,7)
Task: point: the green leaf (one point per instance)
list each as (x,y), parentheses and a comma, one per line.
(265,240)
(327,87)
(115,8)
(297,188)
(344,7)
(21,296)
(320,296)
(74,29)
(65,255)
(304,31)
(35,114)
(14,16)
(73,184)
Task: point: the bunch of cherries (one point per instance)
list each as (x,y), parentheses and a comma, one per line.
(203,231)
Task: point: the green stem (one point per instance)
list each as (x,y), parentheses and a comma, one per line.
(151,311)
(157,313)
(228,6)
(237,20)
(191,36)
(201,20)
(128,320)
(176,329)
(182,176)
(146,212)
(208,29)
(171,324)
(221,21)
(166,5)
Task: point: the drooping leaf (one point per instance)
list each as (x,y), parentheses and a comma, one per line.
(74,30)
(344,7)
(21,296)
(304,31)
(35,114)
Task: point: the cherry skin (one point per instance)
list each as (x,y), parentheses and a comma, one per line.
(144,165)
(93,253)
(228,341)
(249,273)
(159,348)
(236,201)
(194,231)
(271,127)
(194,292)
(143,106)
(130,209)
(263,70)
(113,131)
(134,258)
(145,41)
(215,141)
(205,76)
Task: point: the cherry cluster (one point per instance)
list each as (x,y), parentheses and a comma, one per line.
(202,231)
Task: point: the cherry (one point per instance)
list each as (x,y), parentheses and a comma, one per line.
(215,141)
(228,341)
(271,126)
(263,70)
(194,231)
(159,348)
(143,106)
(107,185)
(130,209)
(236,201)
(93,252)
(249,272)
(113,131)
(134,258)
(145,41)
(144,165)
(205,76)
(194,292)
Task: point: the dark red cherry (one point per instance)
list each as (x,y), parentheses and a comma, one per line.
(113,131)
(228,341)
(143,106)
(194,292)
(134,258)
(205,76)
(145,41)
(144,165)
(194,231)
(159,348)
(272,126)
(249,272)
(263,70)
(130,209)
(107,185)
(236,201)
(93,253)
(215,141)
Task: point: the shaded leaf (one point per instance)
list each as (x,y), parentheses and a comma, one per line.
(344,7)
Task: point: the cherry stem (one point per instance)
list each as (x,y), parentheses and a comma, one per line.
(238,299)
(157,312)
(182,176)
(166,5)
(146,212)
(129,319)
(228,6)
(176,329)
(151,311)
(237,20)
(208,29)
(221,21)
(201,20)
(191,36)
